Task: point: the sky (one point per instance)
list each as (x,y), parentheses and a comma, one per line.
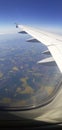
(45,14)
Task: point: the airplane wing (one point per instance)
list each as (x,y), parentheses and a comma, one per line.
(52,41)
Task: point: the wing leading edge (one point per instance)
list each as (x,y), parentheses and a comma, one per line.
(53,42)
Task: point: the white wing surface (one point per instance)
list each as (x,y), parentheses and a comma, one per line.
(52,41)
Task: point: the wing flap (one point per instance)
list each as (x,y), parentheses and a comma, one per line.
(46,60)
(32,40)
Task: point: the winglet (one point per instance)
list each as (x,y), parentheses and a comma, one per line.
(19,26)
(16,25)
